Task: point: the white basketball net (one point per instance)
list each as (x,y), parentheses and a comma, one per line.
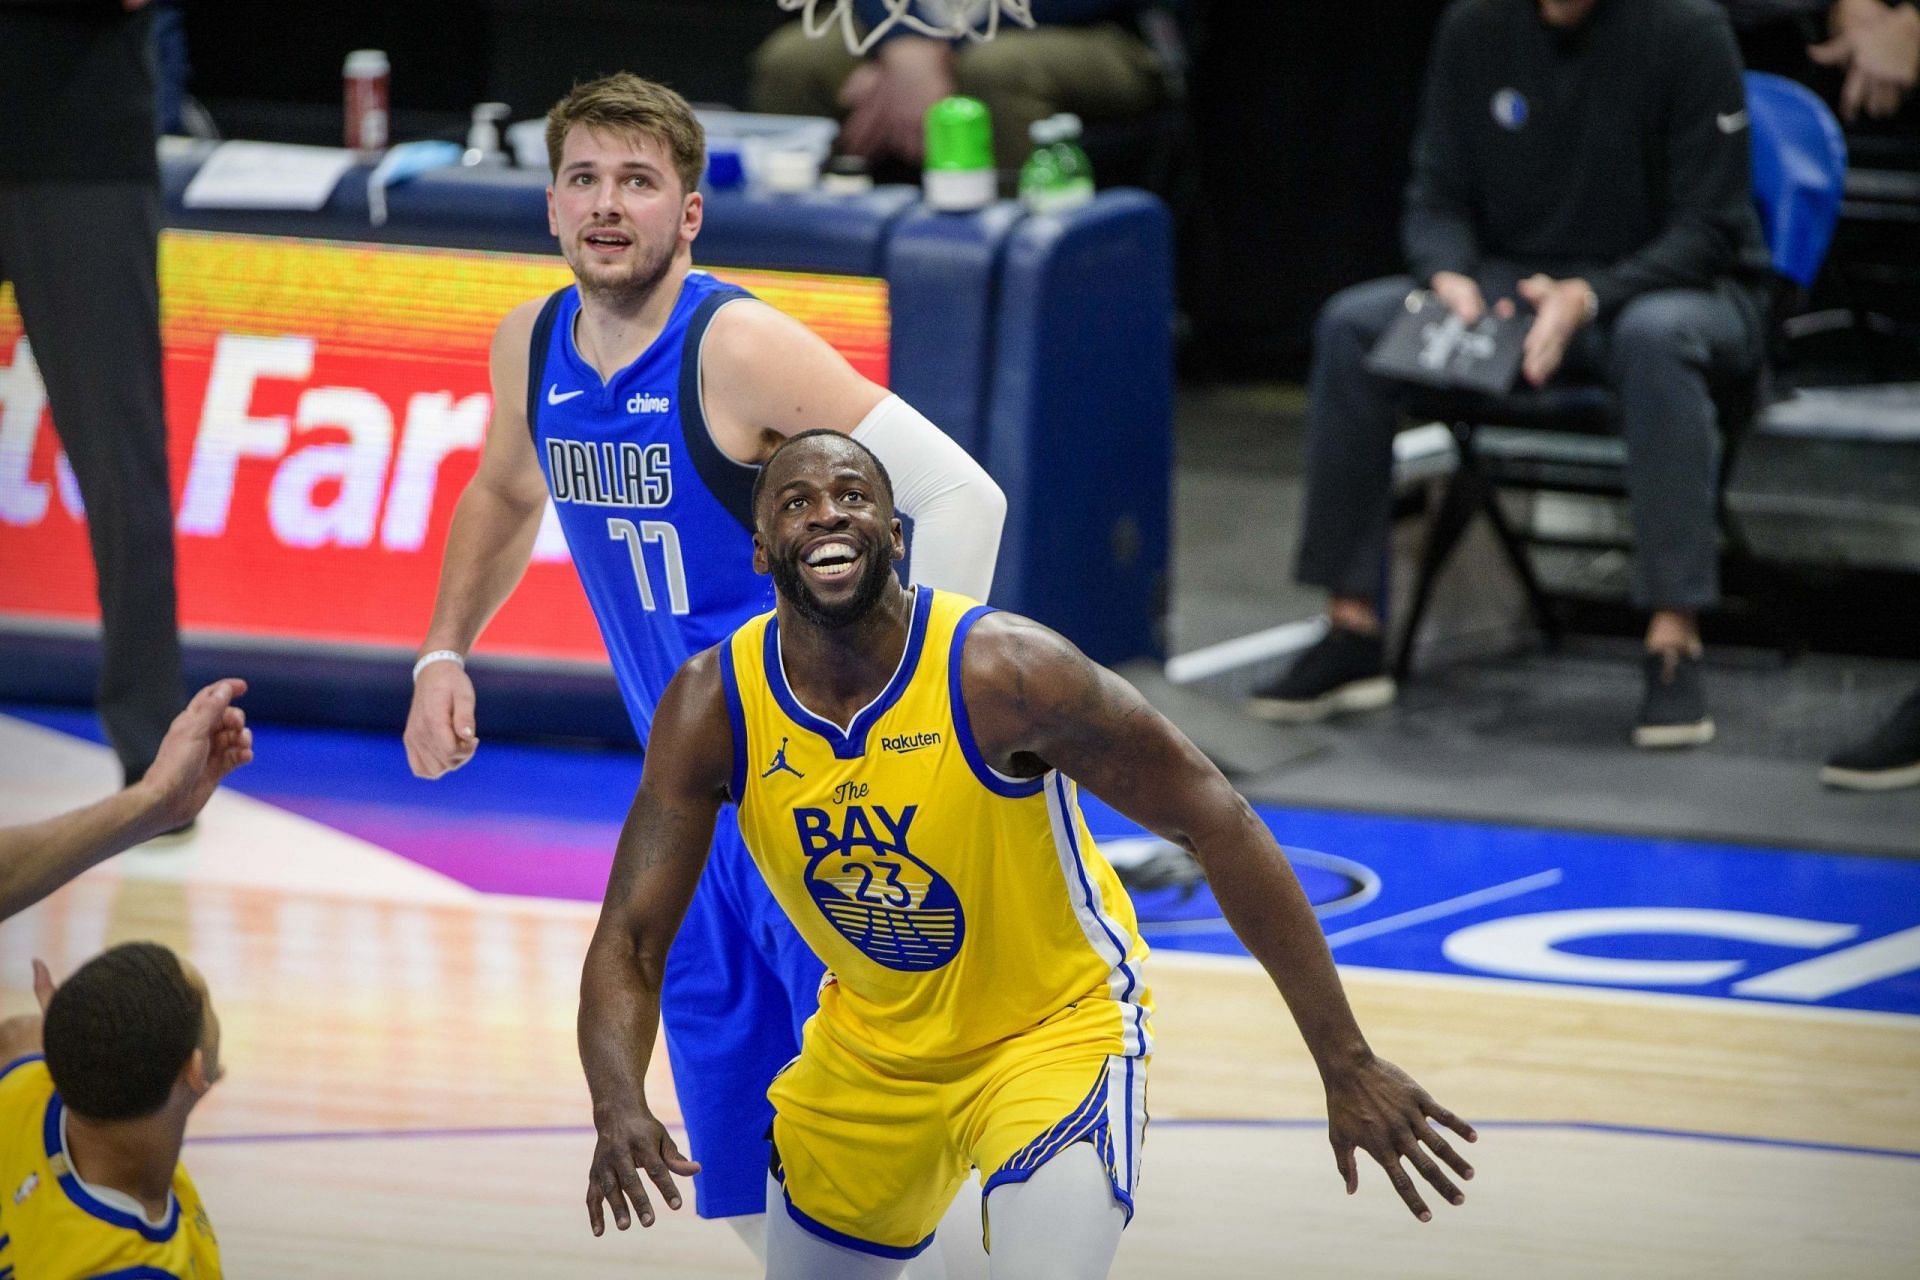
(940,19)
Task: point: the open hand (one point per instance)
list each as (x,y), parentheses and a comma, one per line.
(1879,48)
(627,1144)
(1381,1110)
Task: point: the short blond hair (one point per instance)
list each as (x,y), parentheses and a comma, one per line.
(624,103)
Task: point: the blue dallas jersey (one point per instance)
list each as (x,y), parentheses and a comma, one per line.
(657,518)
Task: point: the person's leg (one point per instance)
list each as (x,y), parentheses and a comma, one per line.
(83,258)
(800,75)
(1097,72)
(1665,352)
(1063,1222)
(1352,417)
(795,1253)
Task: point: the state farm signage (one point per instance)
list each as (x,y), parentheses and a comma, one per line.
(326,404)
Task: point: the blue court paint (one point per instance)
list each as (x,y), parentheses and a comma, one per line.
(1452,897)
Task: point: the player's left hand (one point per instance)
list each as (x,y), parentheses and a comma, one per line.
(1560,309)
(625,1145)
(1383,1111)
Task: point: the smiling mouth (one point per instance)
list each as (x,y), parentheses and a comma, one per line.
(607,241)
(832,563)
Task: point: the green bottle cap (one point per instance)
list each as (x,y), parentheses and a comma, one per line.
(959,135)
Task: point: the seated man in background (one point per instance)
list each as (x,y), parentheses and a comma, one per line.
(1084,56)
(90,1134)
(1587,159)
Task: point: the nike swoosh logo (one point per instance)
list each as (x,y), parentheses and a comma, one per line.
(556,396)
(1732,122)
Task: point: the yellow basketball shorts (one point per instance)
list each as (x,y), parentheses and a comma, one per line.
(870,1157)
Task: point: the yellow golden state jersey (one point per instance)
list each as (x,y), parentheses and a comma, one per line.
(55,1227)
(953,906)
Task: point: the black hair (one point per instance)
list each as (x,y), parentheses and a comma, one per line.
(120,1029)
(760,481)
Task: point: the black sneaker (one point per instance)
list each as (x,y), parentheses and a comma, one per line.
(1674,711)
(1344,671)
(1889,759)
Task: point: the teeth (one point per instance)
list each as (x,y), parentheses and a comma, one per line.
(835,553)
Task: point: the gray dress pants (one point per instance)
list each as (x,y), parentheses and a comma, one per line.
(1662,354)
(83,260)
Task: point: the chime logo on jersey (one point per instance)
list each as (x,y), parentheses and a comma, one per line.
(610,473)
(895,908)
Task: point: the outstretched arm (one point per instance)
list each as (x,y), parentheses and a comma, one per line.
(1037,701)
(205,743)
(662,848)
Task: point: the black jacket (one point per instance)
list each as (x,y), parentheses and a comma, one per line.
(1616,150)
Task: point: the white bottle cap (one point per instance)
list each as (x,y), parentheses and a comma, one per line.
(366,64)
(957,190)
(1068,125)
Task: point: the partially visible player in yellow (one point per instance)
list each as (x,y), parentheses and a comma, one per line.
(906,764)
(91,1184)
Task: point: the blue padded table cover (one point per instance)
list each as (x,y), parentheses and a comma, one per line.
(1080,421)
(940,273)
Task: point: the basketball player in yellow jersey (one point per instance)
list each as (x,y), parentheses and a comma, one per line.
(91,1184)
(905,765)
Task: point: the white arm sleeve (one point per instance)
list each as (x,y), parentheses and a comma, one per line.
(956,507)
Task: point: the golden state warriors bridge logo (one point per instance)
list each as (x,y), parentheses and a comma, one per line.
(895,908)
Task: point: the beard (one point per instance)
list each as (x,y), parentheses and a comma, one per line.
(791,582)
(621,287)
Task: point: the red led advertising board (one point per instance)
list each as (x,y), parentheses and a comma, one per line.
(326,404)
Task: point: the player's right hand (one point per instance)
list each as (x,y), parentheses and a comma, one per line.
(440,733)
(625,1145)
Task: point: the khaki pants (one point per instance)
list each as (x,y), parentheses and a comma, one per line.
(1096,72)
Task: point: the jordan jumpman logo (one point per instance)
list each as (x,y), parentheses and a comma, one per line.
(780,762)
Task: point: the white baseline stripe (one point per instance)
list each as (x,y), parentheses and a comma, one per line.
(1168,959)
(1451,906)
(1275,642)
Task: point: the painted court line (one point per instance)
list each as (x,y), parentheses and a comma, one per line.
(1196,1122)
(1446,907)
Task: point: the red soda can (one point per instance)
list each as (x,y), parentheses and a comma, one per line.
(365,77)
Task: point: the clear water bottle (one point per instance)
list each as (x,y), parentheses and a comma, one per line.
(1076,170)
(1040,175)
(1057,176)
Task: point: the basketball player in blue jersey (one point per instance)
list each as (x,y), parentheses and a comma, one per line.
(905,765)
(642,400)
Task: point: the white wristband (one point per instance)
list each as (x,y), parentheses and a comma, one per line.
(438,655)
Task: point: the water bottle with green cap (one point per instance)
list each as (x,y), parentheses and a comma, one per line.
(959,172)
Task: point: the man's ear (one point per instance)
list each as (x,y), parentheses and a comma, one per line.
(194,1074)
(761,565)
(899,535)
